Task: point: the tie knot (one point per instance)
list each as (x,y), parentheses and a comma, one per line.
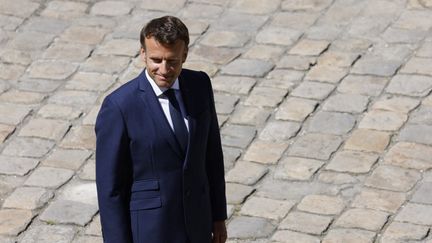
(170,93)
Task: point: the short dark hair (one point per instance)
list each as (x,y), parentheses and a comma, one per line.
(166,30)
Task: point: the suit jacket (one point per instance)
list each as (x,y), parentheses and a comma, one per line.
(148,189)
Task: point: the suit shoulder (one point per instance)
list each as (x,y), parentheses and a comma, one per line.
(188,73)
(124,92)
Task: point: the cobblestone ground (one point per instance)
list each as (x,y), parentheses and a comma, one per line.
(324,107)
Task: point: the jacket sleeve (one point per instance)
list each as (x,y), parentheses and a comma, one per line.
(113,173)
(215,164)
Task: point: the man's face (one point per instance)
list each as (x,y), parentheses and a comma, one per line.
(164,62)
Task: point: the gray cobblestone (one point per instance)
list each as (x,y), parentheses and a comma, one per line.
(350,103)
(295,109)
(39,41)
(83,35)
(111,8)
(82,137)
(21,97)
(279,131)
(265,152)
(45,25)
(266,208)
(5,132)
(382,120)
(278,36)
(225,39)
(313,90)
(379,200)
(326,73)
(88,171)
(249,227)
(374,65)
(28,198)
(362,85)
(67,159)
(349,235)
(237,193)
(296,62)
(306,223)
(58,112)
(231,20)
(264,52)
(51,70)
(105,64)
(398,231)
(416,133)
(36,128)
(331,123)
(368,140)
(247,67)
(48,177)
(249,115)
(393,178)
(352,162)
(287,236)
(88,81)
(64,10)
(286,190)
(28,147)
(415,213)
(412,85)
(315,146)
(218,55)
(94,227)
(68,52)
(201,11)
(64,212)
(321,204)
(423,194)
(73,98)
(265,96)
(246,173)
(14,221)
(49,233)
(292,168)
(396,104)
(409,155)
(15,8)
(233,84)
(323,106)
(362,218)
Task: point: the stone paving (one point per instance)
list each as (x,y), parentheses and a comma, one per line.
(324,107)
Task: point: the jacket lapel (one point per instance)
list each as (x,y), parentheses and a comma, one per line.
(156,113)
(188,105)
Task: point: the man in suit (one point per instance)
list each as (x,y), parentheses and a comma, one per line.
(159,162)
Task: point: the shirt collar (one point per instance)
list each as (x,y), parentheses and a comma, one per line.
(158,90)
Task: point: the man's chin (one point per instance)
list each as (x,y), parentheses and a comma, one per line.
(164,83)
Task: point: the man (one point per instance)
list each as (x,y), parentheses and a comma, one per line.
(159,163)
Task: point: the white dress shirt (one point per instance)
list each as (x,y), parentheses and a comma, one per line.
(163,100)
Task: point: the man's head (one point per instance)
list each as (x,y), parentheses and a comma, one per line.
(164,48)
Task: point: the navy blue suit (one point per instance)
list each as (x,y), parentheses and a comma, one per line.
(149,190)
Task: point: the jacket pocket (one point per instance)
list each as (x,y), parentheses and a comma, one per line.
(145,203)
(145,185)
(145,194)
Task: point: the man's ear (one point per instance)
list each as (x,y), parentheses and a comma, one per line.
(143,53)
(185,54)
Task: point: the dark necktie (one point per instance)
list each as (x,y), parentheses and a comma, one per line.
(177,119)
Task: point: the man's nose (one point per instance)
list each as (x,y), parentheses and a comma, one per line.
(164,67)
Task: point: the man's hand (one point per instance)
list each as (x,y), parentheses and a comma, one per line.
(219,232)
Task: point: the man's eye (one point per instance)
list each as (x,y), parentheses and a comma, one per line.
(173,63)
(155,60)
